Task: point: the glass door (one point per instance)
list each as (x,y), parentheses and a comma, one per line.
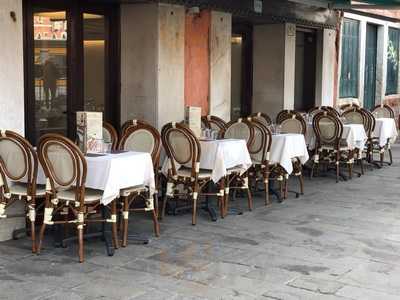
(71,64)
(94,61)
(50,51)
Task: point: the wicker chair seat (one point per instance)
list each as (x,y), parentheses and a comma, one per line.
(20,189)
(133,190)
(187,173)
(91,195)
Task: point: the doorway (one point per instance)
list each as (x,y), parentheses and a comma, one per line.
(370,66)
(305,69)
(242,70)
(71,64)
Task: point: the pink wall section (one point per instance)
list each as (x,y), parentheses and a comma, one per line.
(197,62)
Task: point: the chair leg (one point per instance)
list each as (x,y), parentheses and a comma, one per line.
(301,182)
(32,220)
(390,155)
(80,241)
(114,224)
(164,207)
(194,199)
(221,198)
(226,196)
(266,184)
(155,223)
(125,215)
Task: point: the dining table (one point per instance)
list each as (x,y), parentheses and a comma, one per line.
(112,172)
(286,147)
(385,131)
(218,156)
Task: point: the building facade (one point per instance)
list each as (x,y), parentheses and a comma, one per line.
(368,64)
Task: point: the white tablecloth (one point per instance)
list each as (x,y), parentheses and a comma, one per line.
(113,172)
(221,155)
(354,134)
(385,129)
(285,147)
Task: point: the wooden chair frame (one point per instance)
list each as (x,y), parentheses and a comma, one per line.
(30,173)
(193,184)
(235,180)
(140,193)
(332,147)
(113,133)
(79,209)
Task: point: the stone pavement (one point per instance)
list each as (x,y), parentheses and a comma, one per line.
(339,241)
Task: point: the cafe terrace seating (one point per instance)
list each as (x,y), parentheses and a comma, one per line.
(105,188)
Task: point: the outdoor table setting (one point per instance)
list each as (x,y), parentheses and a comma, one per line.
(219,155)
(112,172)
(287,146)
(353,134)
(385,130)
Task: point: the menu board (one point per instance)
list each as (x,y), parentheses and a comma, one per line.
(89,131)
(193,119)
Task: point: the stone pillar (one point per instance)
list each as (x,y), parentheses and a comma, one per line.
(220,64)
(381,65)
(12,104)
(268,73)
(139,52)
(289,66)
(326,61)
(152,63)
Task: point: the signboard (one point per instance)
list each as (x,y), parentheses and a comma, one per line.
(89,131)
(193,119)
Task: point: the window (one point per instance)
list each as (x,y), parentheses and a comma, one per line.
(392,61)
(350,59)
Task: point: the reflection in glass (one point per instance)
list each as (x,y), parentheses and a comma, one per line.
(94,58)
(50,49)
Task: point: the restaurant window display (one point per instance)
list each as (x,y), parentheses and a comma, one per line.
(71,64)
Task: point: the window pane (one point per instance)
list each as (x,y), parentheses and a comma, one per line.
(94,61)
(50,80)
(350,59)
(392,61)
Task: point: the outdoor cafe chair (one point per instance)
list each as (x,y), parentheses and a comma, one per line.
(65,168)
(110,135)
(18,170)
(330,148)
(369,126)
(213,122)
(262,117)
(384,111)
(293,122)
(130,123)
(243,130)
(141,137)
(260,156)
(347,106)
(282,115)
(185,180)
(356,115)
